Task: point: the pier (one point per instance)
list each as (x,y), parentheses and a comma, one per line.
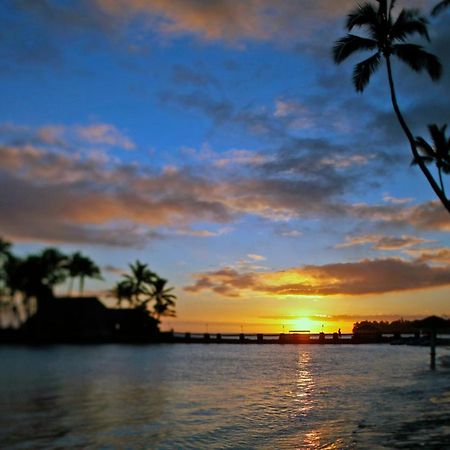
(300,338)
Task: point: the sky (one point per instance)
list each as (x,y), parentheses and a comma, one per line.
(219,143)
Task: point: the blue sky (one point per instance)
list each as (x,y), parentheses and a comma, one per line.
(218,142)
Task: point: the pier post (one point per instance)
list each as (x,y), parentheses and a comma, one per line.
(218,337)
(242,338)
(322,337)
(260,338)
(433,350)
(206,337)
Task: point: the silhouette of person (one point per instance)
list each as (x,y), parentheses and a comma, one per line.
(339,332)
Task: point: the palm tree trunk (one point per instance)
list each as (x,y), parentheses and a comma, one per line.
(81,285)
(70,287)
(441,181)
(411,140)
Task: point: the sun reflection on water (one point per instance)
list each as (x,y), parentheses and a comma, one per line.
(305,384)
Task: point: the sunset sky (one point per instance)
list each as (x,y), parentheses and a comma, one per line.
(218,142)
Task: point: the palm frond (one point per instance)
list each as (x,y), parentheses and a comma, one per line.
(383,8)
(425,159)
(441,6)
(409,22)
(418,59)
(438,135)
(362,15)
(424,147)
(364,70)
(350,44)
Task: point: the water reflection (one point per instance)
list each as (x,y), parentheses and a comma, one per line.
(218,397)
(305,384)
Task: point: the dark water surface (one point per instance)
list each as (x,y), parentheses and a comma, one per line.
(222,396)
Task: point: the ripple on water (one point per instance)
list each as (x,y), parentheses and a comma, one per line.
(227,396)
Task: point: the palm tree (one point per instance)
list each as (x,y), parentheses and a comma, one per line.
(123,291)
(386,38)
(441,6)
(136,287)
(37,275)
(164,300)
(5,254)
(142,287)
(5,248)
(80,266)
(438,152)
(8,282)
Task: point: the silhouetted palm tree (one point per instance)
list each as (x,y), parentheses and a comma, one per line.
(37,275)
(164,300)
(8,283)
(438,152)
(386,38)
(5,254)
(5,247)
(80,266)
(441,6)
(137,286)
(123,291)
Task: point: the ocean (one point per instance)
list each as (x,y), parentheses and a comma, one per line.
(194,396)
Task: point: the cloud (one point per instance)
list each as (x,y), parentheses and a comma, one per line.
(376,276)
(229,21)
(380,242)
(255,257)
(65,137)
(203,233)
(104,134)
(430,255)
(425,216)
(114,269)
(185,75)
(67,197)
(223,112)
(395,200)
(343,317)
(63,181)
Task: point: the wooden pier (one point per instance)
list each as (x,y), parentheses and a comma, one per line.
(294,338)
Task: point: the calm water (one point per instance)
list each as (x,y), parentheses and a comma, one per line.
(222,396)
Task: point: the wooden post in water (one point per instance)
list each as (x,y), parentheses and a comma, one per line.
(433,349)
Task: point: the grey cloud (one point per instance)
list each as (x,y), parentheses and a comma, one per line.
(185,75)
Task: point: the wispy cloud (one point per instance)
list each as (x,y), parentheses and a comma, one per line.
(380,242)
(228,21)
(439,255)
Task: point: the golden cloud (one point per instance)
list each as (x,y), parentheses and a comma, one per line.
(369,276)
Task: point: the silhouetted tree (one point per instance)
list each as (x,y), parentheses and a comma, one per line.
(387,38)
(80,266)
(123,291)
(164,299)
(136,287)
(8,262)
(5,254)
(143,287)
(5,248)
(438,152)
(441,6)
(37,275)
